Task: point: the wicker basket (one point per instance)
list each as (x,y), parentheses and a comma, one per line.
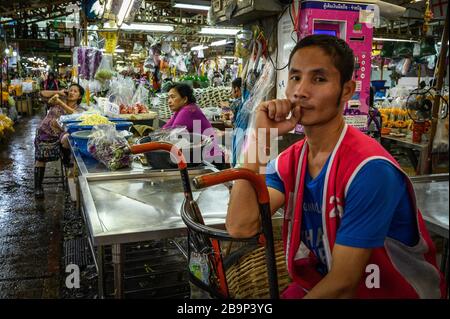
(248,277)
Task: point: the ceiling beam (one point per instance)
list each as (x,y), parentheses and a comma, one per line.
(18,9)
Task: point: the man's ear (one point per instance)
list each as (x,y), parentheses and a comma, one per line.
(348,90)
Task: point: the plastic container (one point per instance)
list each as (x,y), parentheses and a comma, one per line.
(80,139)
(162,159)
(378,84)
(120,126)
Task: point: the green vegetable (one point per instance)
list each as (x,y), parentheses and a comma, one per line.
(103,75)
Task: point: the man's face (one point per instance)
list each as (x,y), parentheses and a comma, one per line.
(235,93)
(314,84)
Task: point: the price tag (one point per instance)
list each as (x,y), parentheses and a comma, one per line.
(111,108)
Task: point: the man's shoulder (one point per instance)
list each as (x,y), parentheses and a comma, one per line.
(361,145)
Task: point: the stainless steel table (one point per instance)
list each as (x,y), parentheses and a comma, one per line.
(126,209)
(432,199)
(138,204)
(419,163)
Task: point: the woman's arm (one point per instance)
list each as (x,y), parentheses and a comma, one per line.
(55,100)
(65,107)
(49,94)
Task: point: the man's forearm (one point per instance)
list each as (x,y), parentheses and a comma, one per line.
(243,211)
(332,287)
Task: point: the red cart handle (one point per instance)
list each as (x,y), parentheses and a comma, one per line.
(256,180)
(155,146)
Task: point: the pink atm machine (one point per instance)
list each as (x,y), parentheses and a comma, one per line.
(351,22)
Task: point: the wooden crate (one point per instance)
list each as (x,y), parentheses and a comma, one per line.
(24,105)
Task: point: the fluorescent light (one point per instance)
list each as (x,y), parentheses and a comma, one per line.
(219,43)
(147,27)
(199,47)
(191,6)
(394,40)
(124,10)
(224,31)
(228,57)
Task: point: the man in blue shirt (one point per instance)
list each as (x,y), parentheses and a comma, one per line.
(377,202)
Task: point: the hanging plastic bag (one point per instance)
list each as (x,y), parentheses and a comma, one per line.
(245,117)
(105,70)
(108,146)
(243,44)
(180,64)
(88,59)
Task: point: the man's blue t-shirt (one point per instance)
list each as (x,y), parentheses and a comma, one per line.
(376,206)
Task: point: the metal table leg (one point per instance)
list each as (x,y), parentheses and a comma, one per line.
(117,259)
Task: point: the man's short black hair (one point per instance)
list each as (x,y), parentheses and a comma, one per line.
(341,54)
(184,90)
(237,83)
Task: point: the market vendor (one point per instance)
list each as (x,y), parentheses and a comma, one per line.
(186,113)
(51,141)
(351,225)
(241,117)
(236,95)
(51,83)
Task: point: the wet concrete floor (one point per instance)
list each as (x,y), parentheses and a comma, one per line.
(30,229)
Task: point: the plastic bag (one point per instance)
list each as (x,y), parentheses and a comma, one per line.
(245,117)
(139,102)
(243,44)
(212,113)
(440,142)
(105,70)
(199,267)
(88,60)
(108,146)
(121,91)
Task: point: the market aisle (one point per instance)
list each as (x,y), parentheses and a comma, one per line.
(30,234)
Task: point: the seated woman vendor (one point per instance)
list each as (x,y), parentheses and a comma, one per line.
(182,103)
(188,114)
(51,141)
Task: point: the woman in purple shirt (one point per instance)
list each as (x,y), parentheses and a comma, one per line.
(182,103)
(188,114)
